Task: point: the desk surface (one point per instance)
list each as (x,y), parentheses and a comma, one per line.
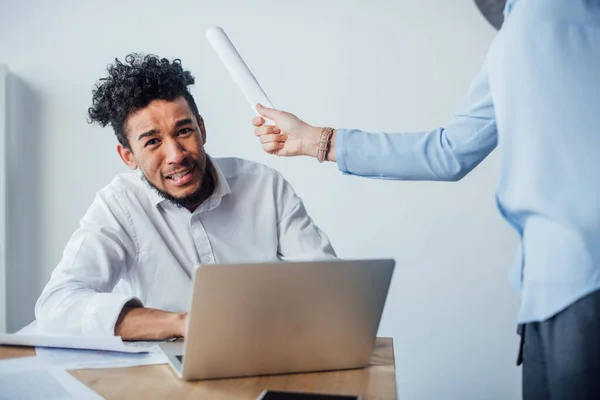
(376,382)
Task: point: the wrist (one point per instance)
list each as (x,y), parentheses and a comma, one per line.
(310,144)
(310,141)
(174,325)
(171,325)
(181,323)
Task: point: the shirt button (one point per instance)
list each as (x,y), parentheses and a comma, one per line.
(207,260)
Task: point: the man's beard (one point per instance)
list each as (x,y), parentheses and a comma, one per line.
(195,199)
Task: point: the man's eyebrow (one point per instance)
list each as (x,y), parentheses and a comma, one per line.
(178,124)
(182,122)
(146,134)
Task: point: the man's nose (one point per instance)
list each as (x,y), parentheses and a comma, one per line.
(175,153)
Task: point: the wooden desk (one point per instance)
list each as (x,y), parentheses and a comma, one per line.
(376,382)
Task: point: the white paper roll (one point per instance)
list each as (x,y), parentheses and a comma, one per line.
(238,70)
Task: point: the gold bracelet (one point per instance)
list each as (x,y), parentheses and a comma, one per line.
(323,144)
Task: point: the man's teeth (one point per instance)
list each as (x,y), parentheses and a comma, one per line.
(180,175)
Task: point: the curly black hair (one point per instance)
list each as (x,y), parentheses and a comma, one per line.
(132,85)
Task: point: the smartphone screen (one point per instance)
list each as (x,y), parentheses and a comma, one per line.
(281,395)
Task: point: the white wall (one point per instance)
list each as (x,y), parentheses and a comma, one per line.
(390,65)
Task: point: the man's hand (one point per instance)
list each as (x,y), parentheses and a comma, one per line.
(290,137)
(136,323)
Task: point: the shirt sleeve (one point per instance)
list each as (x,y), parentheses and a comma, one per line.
(78,299)
(299,238)
(443,154)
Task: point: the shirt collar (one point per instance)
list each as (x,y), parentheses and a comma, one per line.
(221,189)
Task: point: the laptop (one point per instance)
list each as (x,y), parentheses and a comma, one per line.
(278,318)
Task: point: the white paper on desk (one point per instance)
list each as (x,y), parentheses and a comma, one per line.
(87,359)
(110,343)
(30,378)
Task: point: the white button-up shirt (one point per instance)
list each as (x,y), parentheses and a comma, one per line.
(135,246)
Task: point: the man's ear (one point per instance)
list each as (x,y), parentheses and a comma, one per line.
(202,128)
(127,156)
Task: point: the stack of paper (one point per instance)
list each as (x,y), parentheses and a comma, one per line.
(87,359)
(31,378)
(45,376)
(109,343)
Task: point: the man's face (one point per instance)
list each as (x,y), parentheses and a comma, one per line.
(167,144)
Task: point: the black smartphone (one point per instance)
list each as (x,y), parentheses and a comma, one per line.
(283,395)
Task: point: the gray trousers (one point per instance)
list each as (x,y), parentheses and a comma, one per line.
(561,355)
